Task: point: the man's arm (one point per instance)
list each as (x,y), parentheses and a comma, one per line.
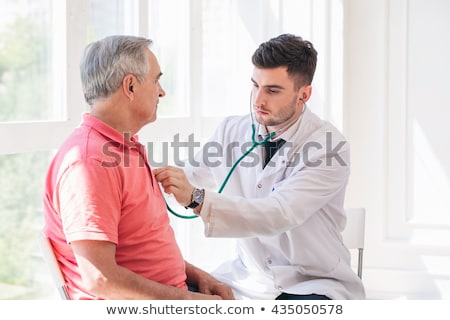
(104,278)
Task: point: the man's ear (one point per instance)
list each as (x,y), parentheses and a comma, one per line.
(128,85)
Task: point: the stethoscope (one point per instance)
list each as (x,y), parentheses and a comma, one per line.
(255,143)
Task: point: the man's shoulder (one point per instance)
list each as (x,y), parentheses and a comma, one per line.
(81,145)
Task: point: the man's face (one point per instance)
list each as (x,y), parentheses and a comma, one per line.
(148,92)
(275,100)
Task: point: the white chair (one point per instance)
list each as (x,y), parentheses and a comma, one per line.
(353,234)
(53,266)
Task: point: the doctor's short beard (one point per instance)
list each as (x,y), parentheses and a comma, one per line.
(284,116)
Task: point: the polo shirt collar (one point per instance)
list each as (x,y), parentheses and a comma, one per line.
(108,131)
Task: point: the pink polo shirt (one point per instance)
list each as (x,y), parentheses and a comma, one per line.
(100,187)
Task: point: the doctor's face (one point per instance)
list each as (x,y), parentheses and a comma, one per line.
(276,102)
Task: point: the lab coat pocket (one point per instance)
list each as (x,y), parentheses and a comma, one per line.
(286,276)
(327,269)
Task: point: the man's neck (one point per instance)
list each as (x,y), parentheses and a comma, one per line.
(114,115)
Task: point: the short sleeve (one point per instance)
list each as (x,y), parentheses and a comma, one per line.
(90,202)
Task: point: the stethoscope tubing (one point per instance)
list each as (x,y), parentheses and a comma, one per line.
(255,144)
(225,181)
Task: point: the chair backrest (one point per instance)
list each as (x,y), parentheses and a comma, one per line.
(353,234)
(53,266)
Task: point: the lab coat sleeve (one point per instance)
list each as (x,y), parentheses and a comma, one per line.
(199,174)
(307,191)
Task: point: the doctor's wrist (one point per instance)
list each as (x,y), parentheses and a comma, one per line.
(197,198)
(198,209)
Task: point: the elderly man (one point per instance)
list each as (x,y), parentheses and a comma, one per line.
(104,212)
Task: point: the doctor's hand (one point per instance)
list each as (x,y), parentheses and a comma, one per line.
(174,181)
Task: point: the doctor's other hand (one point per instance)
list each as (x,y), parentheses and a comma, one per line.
(174,181)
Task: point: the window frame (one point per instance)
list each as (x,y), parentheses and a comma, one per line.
(29,136)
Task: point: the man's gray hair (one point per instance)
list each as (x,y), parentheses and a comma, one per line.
(106,62)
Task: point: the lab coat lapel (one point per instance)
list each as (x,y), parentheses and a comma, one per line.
(290,152)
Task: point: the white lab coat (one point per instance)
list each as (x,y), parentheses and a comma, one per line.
(287,217)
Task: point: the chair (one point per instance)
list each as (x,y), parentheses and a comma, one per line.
(353,234)
(53,266)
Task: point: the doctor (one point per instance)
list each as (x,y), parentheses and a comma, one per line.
(284,202)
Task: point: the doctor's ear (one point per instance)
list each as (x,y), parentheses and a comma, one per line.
(305,93)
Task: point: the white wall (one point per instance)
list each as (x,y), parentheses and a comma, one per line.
(396,118)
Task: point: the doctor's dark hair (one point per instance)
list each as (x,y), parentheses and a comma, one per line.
(106,62)
(287,50)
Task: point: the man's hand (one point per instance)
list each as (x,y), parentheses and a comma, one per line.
(206,283)
(214,287)
(175,182)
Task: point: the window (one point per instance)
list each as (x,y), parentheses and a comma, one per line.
(21,216)
(169,30)
(41,103)
(204,48)
(28,82)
